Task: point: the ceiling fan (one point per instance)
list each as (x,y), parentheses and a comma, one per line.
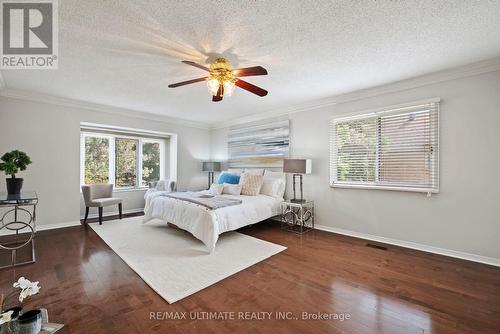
(222,79)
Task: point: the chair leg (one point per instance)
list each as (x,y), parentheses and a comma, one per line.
(86,215)
(120,210)
(100,215)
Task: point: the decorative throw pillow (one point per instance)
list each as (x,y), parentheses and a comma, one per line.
(231,189)
(216,189)
(254,171)
(268,174)
(228,178)
(271,187)
(250,184)
(165,185)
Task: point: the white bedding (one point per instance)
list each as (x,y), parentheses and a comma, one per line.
(205,224)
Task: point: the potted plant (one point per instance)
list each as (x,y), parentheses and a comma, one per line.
(12,319)
(12,163)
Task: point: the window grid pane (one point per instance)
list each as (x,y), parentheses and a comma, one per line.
(96,160)
(150,162)
(405,149)
(356,150)
(125,162)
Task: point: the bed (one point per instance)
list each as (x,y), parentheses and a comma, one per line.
(207,224)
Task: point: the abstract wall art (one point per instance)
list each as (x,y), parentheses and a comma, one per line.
(261,145)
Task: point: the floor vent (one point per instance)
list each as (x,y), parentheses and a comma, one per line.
(376,246)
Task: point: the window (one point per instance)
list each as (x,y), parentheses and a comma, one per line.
(150,157)
(391,149)
(96,160)
(127,161)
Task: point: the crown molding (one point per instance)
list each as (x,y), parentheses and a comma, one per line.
(468,70)
(275,113)
(477,68)
(66,102)
(490,65)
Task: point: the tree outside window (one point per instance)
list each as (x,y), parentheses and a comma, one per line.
(125,162)
(128,162)
(150,162)
(96,160)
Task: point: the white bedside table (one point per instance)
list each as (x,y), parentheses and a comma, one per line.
(297,217)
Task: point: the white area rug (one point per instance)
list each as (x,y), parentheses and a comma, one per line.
(173,262)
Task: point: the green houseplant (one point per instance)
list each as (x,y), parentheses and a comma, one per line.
(12,163)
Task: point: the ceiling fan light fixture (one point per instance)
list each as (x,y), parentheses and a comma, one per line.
(222,79)
(229,87)
(213,85)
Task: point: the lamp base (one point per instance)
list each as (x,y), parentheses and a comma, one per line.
(210,179)
(295,199)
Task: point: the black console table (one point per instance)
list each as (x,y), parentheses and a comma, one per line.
(18,224)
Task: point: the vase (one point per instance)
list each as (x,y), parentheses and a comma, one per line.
(12,326)
(30,322)
(14,185)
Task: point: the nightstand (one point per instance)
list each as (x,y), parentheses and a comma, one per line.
(297,217)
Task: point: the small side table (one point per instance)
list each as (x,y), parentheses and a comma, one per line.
(23,231)
(297,217)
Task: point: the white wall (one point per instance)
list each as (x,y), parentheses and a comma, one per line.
(50,134)
(463,217)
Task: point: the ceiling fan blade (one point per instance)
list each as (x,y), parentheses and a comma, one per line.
(250,71)
(186,82)
(251,88)
(220,93)
(192,63)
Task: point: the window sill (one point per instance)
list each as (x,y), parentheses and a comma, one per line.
(125,190)
(376,187)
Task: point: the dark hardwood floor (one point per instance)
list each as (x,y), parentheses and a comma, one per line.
(86,286)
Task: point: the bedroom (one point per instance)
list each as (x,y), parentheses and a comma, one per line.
(329,170)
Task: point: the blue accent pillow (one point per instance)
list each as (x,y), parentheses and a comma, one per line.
(228,178)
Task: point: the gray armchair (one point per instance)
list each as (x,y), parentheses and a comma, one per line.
(99,196)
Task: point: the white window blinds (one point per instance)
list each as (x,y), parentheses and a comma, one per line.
(391,149)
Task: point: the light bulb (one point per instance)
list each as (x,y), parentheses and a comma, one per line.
(213,86)
(228,88)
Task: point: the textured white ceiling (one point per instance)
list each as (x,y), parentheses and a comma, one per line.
(124,53)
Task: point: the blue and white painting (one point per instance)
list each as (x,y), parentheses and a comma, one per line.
(263,145)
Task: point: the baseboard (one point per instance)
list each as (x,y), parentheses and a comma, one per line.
(112,213)
(413,245)
(44,227)
(58,225)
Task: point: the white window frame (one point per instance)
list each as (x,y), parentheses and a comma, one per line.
(111,154)
(392,110)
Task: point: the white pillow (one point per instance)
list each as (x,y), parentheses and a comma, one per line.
(271,186)
(269,174)
(254,171)
(216,189)
(235,171)
(164,185)
(231,189)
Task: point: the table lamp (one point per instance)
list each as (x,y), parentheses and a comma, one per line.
(297,167)
(211,167)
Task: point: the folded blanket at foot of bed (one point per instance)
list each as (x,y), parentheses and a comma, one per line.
(209,201)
